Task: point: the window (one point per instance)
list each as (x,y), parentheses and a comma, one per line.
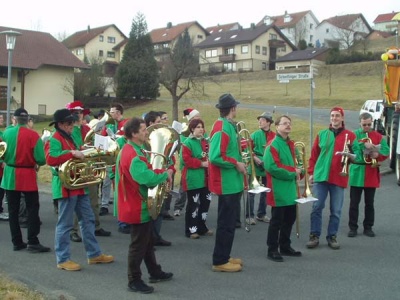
(327,30)
(257,49)
(200,36)
(111,54)
(264,65)
(42,109)
(273,36)
(245,49)
(211,53)
(311,38)
(79,51)
(230,66)
(101,53)
(165,45)
(111,39)
(311,26)
(101,38)
(229,51)
(264,50)
(287,19)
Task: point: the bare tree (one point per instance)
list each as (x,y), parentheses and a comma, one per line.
(60,36)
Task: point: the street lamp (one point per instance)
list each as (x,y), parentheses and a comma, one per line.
(11,36)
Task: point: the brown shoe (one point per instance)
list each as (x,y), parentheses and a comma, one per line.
(69,265)
(101,259)
(228,267)
(236,261)
(194,236)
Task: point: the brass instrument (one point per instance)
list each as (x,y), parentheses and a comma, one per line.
(301,162)
(248,159)
(3,148)
(185,130)
(163,142)
(45,135)
(367,159)
(79,173)
(105,120)
(345,158)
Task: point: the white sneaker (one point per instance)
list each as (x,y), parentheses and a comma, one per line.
(177,213)
(252,221)
(264,219)
(4,216)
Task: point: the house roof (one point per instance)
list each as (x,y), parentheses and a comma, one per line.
(345,21)
(81,38)
(234,37)
(307,54)
(120,44)
(34,49)
(170,33)
(279,21)
(224,27)
(383,18)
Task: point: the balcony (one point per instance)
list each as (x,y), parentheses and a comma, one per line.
(276,43)
(227,58)
(162,51)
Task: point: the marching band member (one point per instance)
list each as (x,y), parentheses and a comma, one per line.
(78,134)
(194,153)
(24,153)
(261,138)
(324,168)
(226,179)
(60,148)
(282,174)
(365,177)
(134,176)
(3,215)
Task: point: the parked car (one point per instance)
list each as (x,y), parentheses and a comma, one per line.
(374,107)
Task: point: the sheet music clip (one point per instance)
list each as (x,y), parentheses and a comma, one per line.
(260,189)
(306,199)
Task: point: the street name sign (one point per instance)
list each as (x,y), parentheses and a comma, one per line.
(293,76)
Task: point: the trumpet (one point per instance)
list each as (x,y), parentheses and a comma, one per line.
(345,158)
(367,159)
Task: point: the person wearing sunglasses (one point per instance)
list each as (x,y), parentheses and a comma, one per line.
(365,176)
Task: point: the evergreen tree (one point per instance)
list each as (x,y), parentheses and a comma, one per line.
(137,75)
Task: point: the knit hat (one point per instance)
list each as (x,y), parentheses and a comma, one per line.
(339,109)
(77,105)
(190,113)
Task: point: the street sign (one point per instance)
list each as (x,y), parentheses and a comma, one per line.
(287,81)
(293,76)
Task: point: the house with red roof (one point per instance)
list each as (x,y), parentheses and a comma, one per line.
(164,39)
(224,27)
(41,69)
(385,22)
(295,26)
(342,31)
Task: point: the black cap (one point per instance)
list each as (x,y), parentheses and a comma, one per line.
(21,112)
(266,115)
(62,115)
(226,101)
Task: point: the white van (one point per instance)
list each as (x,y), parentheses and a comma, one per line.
(374,107)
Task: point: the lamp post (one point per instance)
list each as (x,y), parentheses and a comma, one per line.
(11,36)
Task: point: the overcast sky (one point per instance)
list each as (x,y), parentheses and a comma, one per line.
(55,17)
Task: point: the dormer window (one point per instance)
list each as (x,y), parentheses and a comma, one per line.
(267,21)
(287,19)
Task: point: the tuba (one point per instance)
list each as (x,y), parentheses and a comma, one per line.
(3,148)
(163,141)
(79,173)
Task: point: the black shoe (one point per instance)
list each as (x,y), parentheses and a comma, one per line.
(102,232)
(369,232)
(162,242)
(289,252)
(352,233)
(103,211)
(168,217)
(38,248)
(125,230)
(140,287)
(275,256)
(74,236)
(20,246)
(163,276)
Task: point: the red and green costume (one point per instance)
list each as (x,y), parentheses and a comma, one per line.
(261,139)
(134,176)
(362,174)
(224,154)
(24,152)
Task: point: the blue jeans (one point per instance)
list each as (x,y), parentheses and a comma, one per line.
(262,204)
(336,193)
(66,208)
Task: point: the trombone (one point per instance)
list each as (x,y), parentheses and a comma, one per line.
(306,196)
(251,184)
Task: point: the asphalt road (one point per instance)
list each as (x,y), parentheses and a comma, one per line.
(364,268)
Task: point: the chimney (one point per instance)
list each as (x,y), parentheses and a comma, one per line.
(252,25)
(88,28)
(169,25)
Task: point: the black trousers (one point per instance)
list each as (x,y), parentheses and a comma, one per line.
(141,248)
(196,211)
(280,227)
(369,210)
(227,214)
(32,207)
